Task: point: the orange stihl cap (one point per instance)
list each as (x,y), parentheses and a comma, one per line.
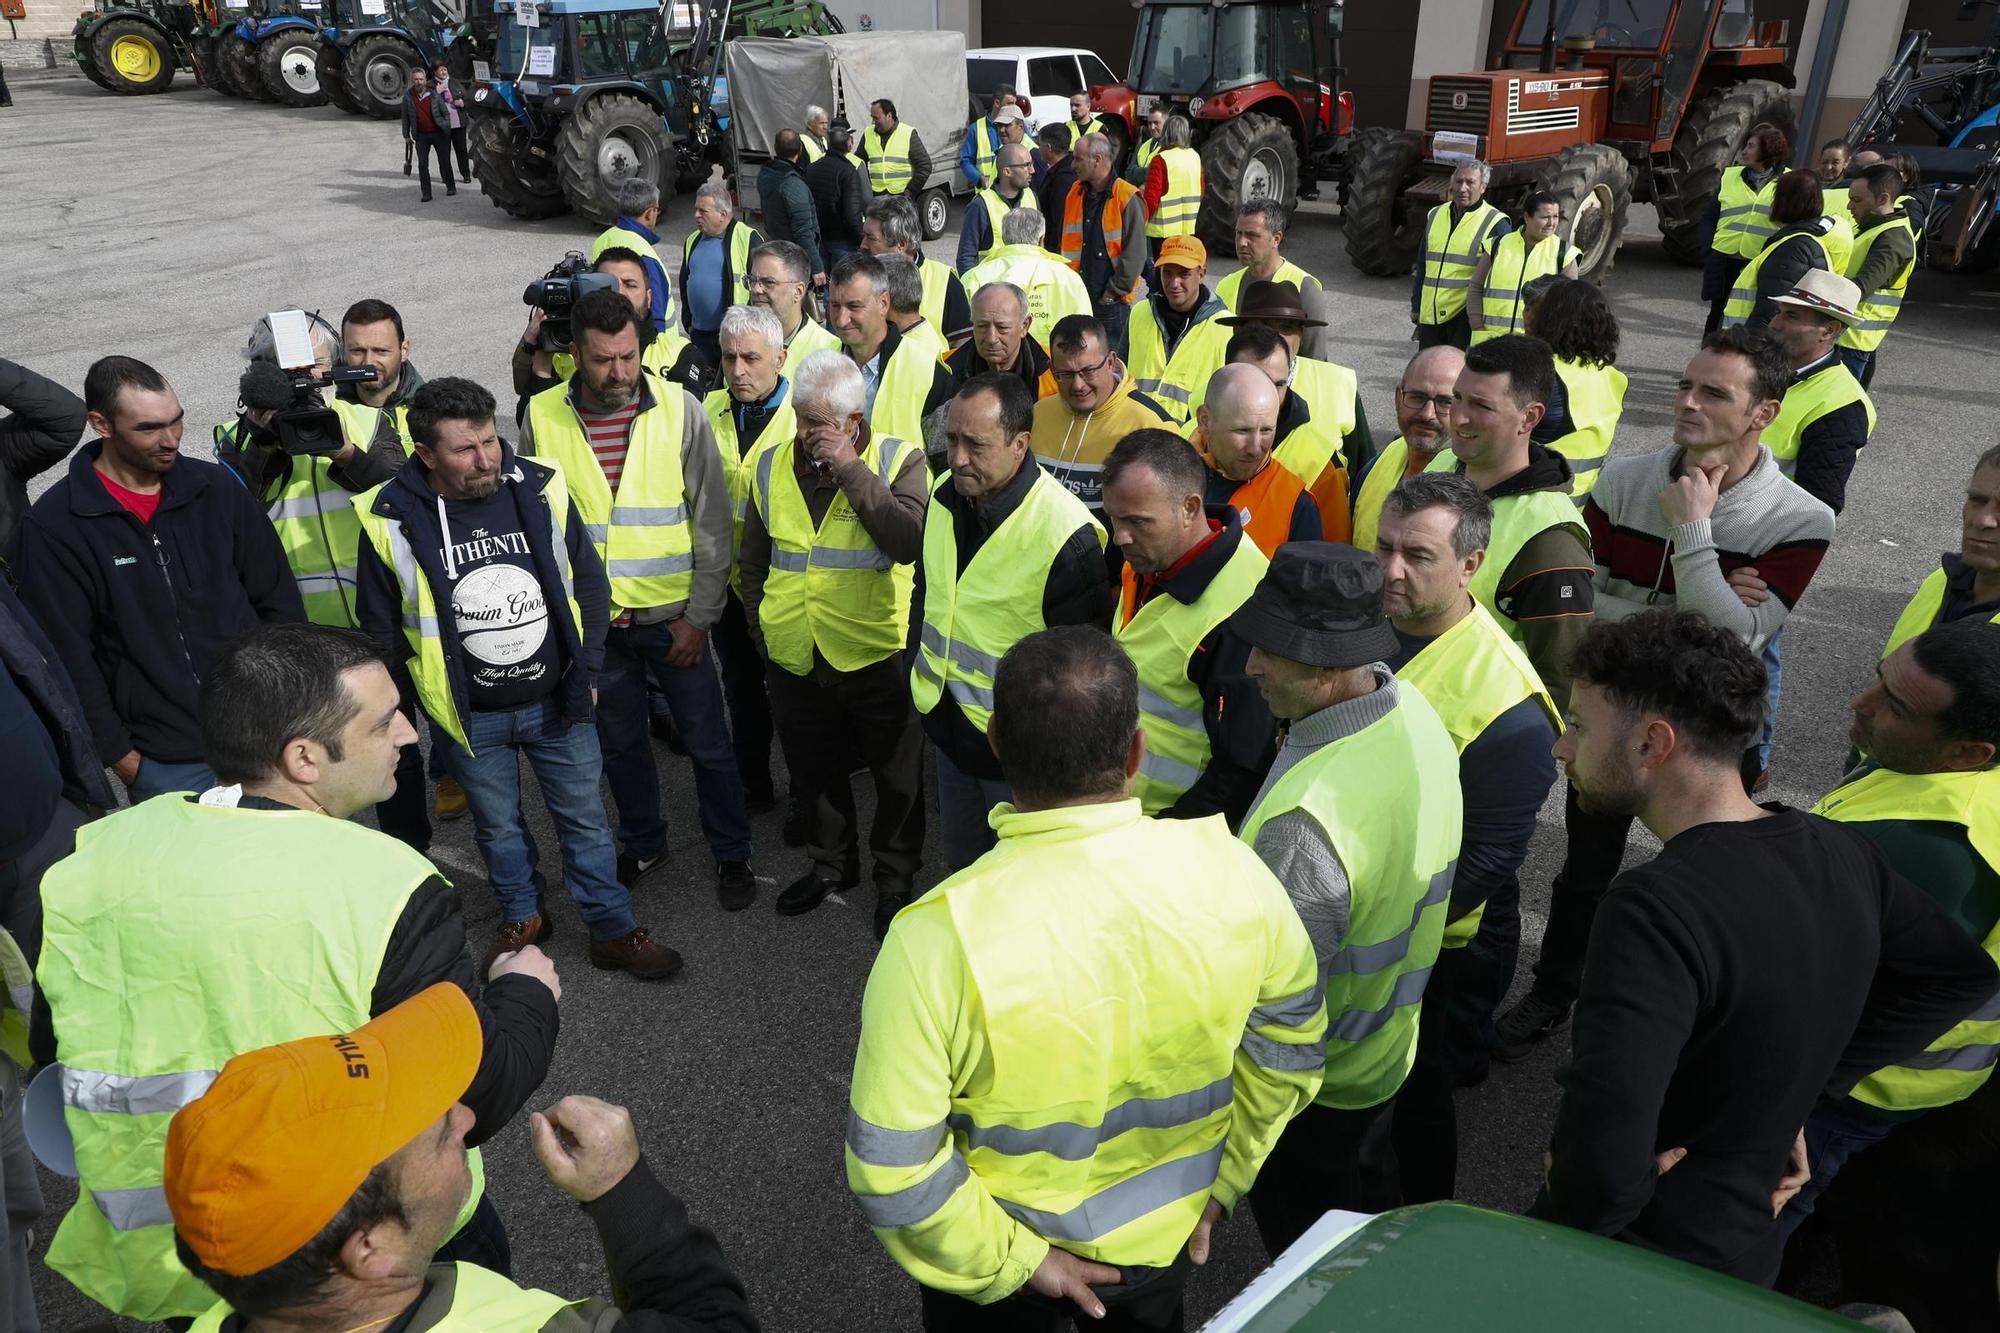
(1182,252)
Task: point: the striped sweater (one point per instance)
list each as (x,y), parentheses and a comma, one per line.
(1765,520)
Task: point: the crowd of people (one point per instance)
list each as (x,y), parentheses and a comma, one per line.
(1240,724)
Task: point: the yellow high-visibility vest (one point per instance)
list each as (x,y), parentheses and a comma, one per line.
(1449,255)
(1920,612)
(889,169)
(1744,225)
(1596,401)
(1743,296)
(1878,309)
(1514,266)
(1805,402)
(1180,203)
(739,456)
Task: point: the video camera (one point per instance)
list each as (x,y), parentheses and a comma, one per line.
(556,294)
(288,388)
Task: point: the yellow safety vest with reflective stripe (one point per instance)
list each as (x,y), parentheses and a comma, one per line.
(1596,400)
(889,170)
(1190,1035)
(1053,288)
(739,458)
(830,587)
(1384,476)
(1957,1064)
(1743,225)
(1839,237)
(1516,521)
(971,620)
(1328,390)
(1743,296)
(739,260)
(1878,309)
(1388,798)
(1231,287)
(924,334)
(644,534)
(1449,255)
(1096,126)
(814,146)
(313,516)
(1148,149)
(1180,202)
(615,236)
(429,672)
(997,210)
(906,385)
(162,958)
(1472,674)
(1512,269)
(1174,379)
(481,1302)
(1160,638)
(937,280)
(809,337)
(1921,612)
(984,154)
(1805,402)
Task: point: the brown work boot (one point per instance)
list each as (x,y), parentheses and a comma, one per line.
(637,953)
(514,937)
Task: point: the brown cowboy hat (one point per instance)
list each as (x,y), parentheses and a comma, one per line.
(1271,303)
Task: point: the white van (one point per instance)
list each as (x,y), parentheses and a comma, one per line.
(1045,75)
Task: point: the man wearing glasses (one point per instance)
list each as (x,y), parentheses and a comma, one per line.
(1423,412)
(1095,405)
(779,273)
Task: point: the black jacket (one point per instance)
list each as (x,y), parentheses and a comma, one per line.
(29,660)
(411,501)
(1076,591)
(1052,196)
(789,211)
(138,614)
(1793,254)
(1827,446)
(840,193)
(45,423)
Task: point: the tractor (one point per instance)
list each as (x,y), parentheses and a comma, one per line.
(370,47)
(1259,82)
(134,46)
(585,93)
(270,55)
(1596,102)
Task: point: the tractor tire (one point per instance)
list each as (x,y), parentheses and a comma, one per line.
(378,74)
(604,141)
(1710,136)
(1594,183)
(288,64)
(1251,157)
(332,70)
(132,56)
(520,182)
(89,66)
(239,59)
(1383,232)
(214,73)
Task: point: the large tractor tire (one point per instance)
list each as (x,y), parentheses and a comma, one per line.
(1710,137)
(1250,157)
(132,56)
(87,62)
(239,59)
(378,74)
(611,137)
(1594,183)
(1384,231)
(520,179)
(332,70)
(215,70)
(288,64)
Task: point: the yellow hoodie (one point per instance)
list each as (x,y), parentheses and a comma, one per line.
(1073,445)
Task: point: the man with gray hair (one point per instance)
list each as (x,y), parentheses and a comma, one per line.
(901,380)
(831,532)
(1001,325)
(1456,234)
(715,266)
(906,296)
(1104,234)
(1430,540)
(638,215)
(814,135)
(1052,288)
(980,232)
(890,226)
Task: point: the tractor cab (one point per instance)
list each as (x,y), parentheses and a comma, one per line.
(371,46)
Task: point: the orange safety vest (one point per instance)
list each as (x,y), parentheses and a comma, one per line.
(1114,225)
(1265,503)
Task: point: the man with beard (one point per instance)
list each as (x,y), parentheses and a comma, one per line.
(1423,426)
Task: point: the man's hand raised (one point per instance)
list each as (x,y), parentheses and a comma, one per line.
(585,1145)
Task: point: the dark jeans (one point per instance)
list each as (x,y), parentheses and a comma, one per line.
(1149,1300)
(458,147)
(964,802)
(1113,315)
(1834,1134)
(482,1240)
(827,719)
(710,343)
(632,655)
(406,815)
(427,144)
(1454,332)
(1861,363)
(1326,1158)
(157,777)
(1426,1120)
(749,702)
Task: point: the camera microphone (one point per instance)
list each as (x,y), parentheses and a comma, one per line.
(265,387)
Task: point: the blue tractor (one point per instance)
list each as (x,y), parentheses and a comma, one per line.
(370,47)
(269,53)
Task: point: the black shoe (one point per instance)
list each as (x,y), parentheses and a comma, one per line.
(759,800)
(806,892)
(888,902)
(451,189)
(798,821)
(1526,1026)
(735,886)
(632,869)
(427,199)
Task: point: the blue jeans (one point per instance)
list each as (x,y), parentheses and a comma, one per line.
(568,766)
(157,777)
(694,697)
(964,802)
(1113,315)
(1833,1135)
(1774,674)
(1860,362)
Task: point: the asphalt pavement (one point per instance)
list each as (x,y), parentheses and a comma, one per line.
(162,227)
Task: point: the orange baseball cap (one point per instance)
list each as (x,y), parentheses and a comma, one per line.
(1183,252)
(261,1162)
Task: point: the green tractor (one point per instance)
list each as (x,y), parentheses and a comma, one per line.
(585,93)
(134,46)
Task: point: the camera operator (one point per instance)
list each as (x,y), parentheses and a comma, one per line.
(667,354)
(371,334)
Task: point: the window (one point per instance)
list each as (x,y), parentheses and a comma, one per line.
(1052,76)
(1628,25)
(1293,57)
(1171,54)
(1096,71)
(983,74)
(1242,45)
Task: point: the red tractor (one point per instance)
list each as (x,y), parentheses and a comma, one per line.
(1258,80)
(1599,101)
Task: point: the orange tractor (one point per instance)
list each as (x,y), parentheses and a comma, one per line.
(1600,102)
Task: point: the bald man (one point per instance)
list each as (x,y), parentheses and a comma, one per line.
(1236,431)
(1423,428)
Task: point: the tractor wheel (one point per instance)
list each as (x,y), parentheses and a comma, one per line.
(332,70)
(1383,230)
(1594,183)
(239,58)
(609,138)
(1251,157)
(288,63)
(86,62)
(518,177)
(378,74)
(214,73)
(1710,136)
(132,56)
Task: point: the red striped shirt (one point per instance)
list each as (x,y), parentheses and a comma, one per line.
(610,434)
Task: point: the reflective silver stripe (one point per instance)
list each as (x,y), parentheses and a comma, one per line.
(959,651)
(1145,385)
(653,565)
(1171,772)
(907,1207)
(648,516)
(1883,299)
(1130,1199)
(1174,393)
(922,666)
(742,510)
(1160,707)
(123,1094)
(841,557)
(1294,1011)
(764,482)
(1282,1057)
(1502,293)
(977,696)
(1367,959)
(1448,284)
(892,1147)
(404,560)
(892,457)
(130,1210)
(1965,1059)
(331,581)
(792,562)
(1077,1143)
(1738,211)
(1354,1024)
(596,532)
(1585,464)
(1985,1013)
(889,161)
(311,506)
(1870,325)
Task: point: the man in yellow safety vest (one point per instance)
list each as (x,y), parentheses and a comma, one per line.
(1967,583)
(715,265)
(371,334)
(983,138)
(1053,289)
(1082,120)
(1827,416)
(979,232)
(1456,233)
(890,226)
(904,380)
(780,276)
(1261,226)
(1880,264)
(1172,341)
(896,158)
(636,229)
(1423,424)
